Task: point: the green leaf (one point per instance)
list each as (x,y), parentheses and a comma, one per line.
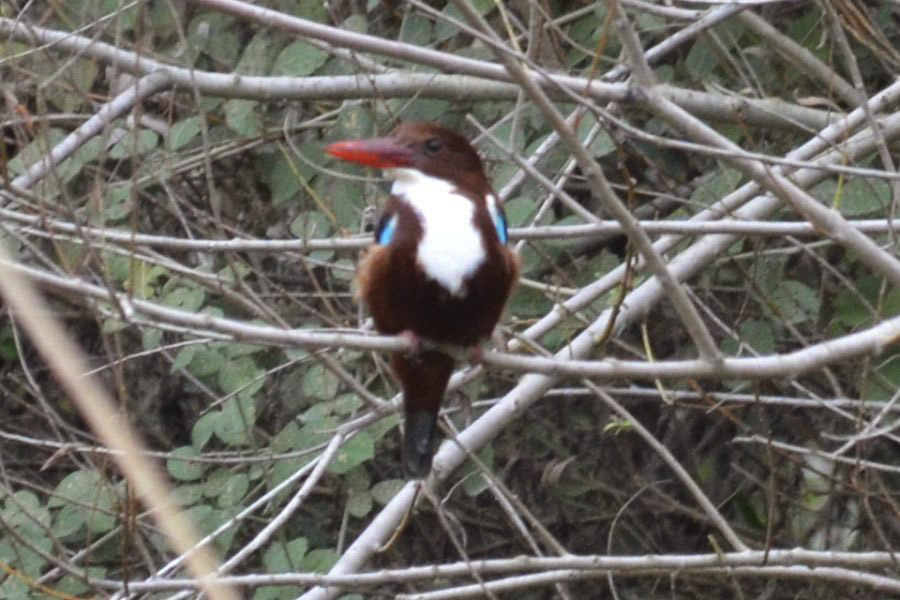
(883,387)
(357,481)
(891,304)
(319,561)
(356,23)
(235,425)
(77,486)
(184,357)
(99,522)
(215,482)
(752,515)
(91,496)
(357,450)
(185,470)
(238,349)
(282,557)
(795,302)
(851,308)
(222,46)
(758,335)
(354,121)
(282,470)
(346,198)
(713,188)
(142,279)
(347,404)
(706,471)
(204,428)
(135,143)
(595,268)
(528,302)
(416,29)
(318,382)
(241,375)
(118,267)
(127,19)
(35,151)
(768,272)
(701,61)
(617,425)
(280,177)
(8,350)
(207,519)
(505,136)
(313,10)
(445,29)
(188,494)
(27,561)
(13,588)
(72,586)
(359,504)
(854,307)
(861,196)
(344,269)
(234,490)
(299,59)
(384,491)
(285,440)
(113,325)
(315,433)
(186,298)
(804,27)
(205,362)
(81,75)
(257,56)
(184,131)
(87,153)
(310,225)
(601,144)
(422,109)
(586,31)
(519,210)
(475,483)
(68,521)
(317,412)
(276,592)
(242,118)
(384,426)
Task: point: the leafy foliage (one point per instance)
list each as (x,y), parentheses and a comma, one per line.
(232,421)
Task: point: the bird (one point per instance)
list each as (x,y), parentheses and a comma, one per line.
(439,269)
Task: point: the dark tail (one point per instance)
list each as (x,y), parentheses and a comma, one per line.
(424,379)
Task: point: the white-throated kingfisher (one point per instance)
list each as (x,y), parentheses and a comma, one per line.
(439,270)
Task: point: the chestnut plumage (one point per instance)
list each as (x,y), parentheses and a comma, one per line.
(439,269)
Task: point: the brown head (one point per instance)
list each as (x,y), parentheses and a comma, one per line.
(427,147)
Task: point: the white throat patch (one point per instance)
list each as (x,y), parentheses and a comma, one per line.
(451,248)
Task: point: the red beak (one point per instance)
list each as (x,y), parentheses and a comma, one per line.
(379,153)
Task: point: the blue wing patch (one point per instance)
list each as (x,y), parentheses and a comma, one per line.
(499,221)
(384,233)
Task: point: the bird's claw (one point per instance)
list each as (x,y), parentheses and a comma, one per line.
(414,341)
(476,355)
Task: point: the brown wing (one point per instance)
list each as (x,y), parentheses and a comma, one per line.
(375,275)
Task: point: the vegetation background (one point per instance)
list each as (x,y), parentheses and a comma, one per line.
(734,436)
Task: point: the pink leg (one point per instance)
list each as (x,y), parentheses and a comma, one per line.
(476,354)
(415,344)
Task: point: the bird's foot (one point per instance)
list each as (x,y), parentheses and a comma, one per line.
(414,341)
(476,355)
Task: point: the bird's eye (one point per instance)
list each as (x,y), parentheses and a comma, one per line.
(433,145)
